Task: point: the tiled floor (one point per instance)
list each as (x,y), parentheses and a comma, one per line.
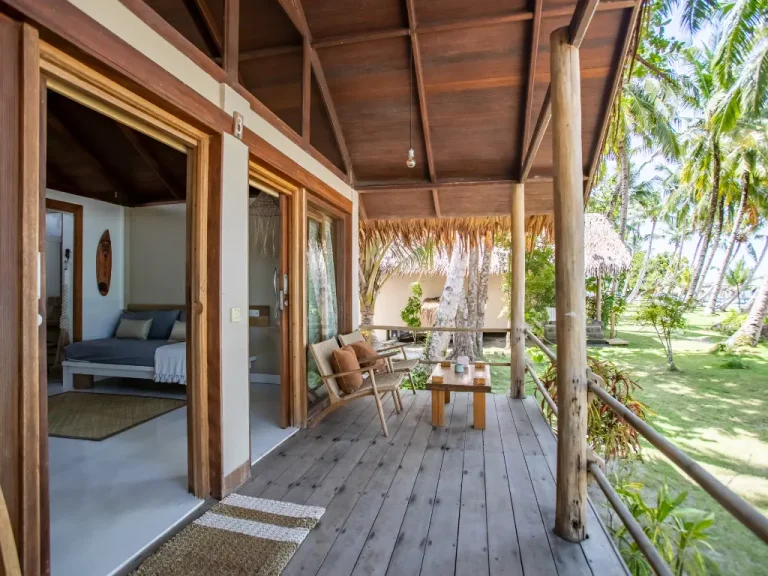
(430,501)
(111,499)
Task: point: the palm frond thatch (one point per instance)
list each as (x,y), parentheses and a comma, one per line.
(604,252)
(444,232)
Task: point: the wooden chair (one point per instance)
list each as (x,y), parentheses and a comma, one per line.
(406,366)
(9,555)
(376,385)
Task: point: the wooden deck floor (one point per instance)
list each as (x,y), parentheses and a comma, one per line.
(427,501)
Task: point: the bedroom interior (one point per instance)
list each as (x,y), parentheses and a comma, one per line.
(116,391)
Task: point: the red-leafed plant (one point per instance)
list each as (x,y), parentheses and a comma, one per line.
(608,434)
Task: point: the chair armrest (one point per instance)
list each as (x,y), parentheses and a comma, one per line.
(340,374)
(395,347)
(378,356)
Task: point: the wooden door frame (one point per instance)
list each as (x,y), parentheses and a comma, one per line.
(77,268)
(45,67)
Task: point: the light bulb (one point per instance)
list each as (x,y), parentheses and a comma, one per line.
(411,162)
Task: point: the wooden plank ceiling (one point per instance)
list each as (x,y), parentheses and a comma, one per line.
(91,155)
(464,83)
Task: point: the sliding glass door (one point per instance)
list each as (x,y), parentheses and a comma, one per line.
(322,301)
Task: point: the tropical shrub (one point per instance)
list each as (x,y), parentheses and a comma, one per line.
(666,314)
(731,322)
(539,286)
(679,534)
(420,375)
(411,314)
(608,434)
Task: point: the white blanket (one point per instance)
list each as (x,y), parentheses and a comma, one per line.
(171,363)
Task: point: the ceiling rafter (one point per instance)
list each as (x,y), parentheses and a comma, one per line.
(166,179)
(436,202)
(361,206)
(422,94)
(94,156)
(206,24)
(535,33)
(295,11)
(580,21)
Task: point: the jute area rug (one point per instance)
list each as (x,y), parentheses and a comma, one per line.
(240,535)
(93,416)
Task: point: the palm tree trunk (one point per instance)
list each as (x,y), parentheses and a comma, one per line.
(641,277)
(482,294)
(707,230)
(449,302)
(749,333)
(466,314)
(624,175)
(714,245)
(731,243)
(671,266)
(366,317)
(751,274)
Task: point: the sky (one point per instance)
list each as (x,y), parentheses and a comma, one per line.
(660,244)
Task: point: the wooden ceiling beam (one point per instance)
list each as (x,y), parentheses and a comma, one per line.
(118,186)
(416,56)
(359,37)
(436,202)
(535,33)
(295,11)
(580,21)
(248,55)
(231,45)
(434,187)
(206,24)
(306,91)
(166,179)
(361,206)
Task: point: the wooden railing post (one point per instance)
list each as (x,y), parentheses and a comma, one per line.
(571,509)
(517,292)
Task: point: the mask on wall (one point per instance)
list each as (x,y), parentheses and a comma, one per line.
(104,263)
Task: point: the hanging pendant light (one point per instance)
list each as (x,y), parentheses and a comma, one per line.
(411,162)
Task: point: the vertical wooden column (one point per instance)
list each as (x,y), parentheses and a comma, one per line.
(571,509)
(517,292)
(231,47)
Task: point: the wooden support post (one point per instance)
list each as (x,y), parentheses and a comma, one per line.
(571,508)
(231,47)
(517,293)
(438,408)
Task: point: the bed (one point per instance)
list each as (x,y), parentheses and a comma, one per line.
(156,358)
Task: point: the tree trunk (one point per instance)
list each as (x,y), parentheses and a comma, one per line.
(624,179)
(641,277)
(731,243)
(449,302)
(714,245)
(466,314)
(749,333)
(751,274)
(482,294)
(707,230)
(366,317)
(672,266)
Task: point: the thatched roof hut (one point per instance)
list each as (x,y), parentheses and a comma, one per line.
(604,252)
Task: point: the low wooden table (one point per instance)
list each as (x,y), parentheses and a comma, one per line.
(463,382)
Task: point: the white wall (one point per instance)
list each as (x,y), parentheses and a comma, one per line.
(234,294)
(100,313)
(395,292)
(264,343)
(156,254)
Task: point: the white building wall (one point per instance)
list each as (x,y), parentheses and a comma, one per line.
(100,313)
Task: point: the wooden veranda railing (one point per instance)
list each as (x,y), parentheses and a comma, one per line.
(744,512)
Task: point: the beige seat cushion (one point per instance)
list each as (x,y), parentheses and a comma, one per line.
(345,360)
(133,329)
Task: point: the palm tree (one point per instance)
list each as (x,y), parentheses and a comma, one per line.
(737,278)
(749,157)
(652,209)
(749,332)
(758,260)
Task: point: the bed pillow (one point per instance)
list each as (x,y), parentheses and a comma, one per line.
(345,360)
(179,332)
(162,321)
(133,329)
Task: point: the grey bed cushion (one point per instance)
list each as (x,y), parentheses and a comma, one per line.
(162,321)
(115,351)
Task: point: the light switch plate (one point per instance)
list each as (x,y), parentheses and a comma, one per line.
(234,314)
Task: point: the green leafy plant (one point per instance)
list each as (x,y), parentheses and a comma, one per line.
(539,286)
(420,376)
(411,314)
(731,322)
(679,534)
(607,433)
(666,314)
(734,363)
